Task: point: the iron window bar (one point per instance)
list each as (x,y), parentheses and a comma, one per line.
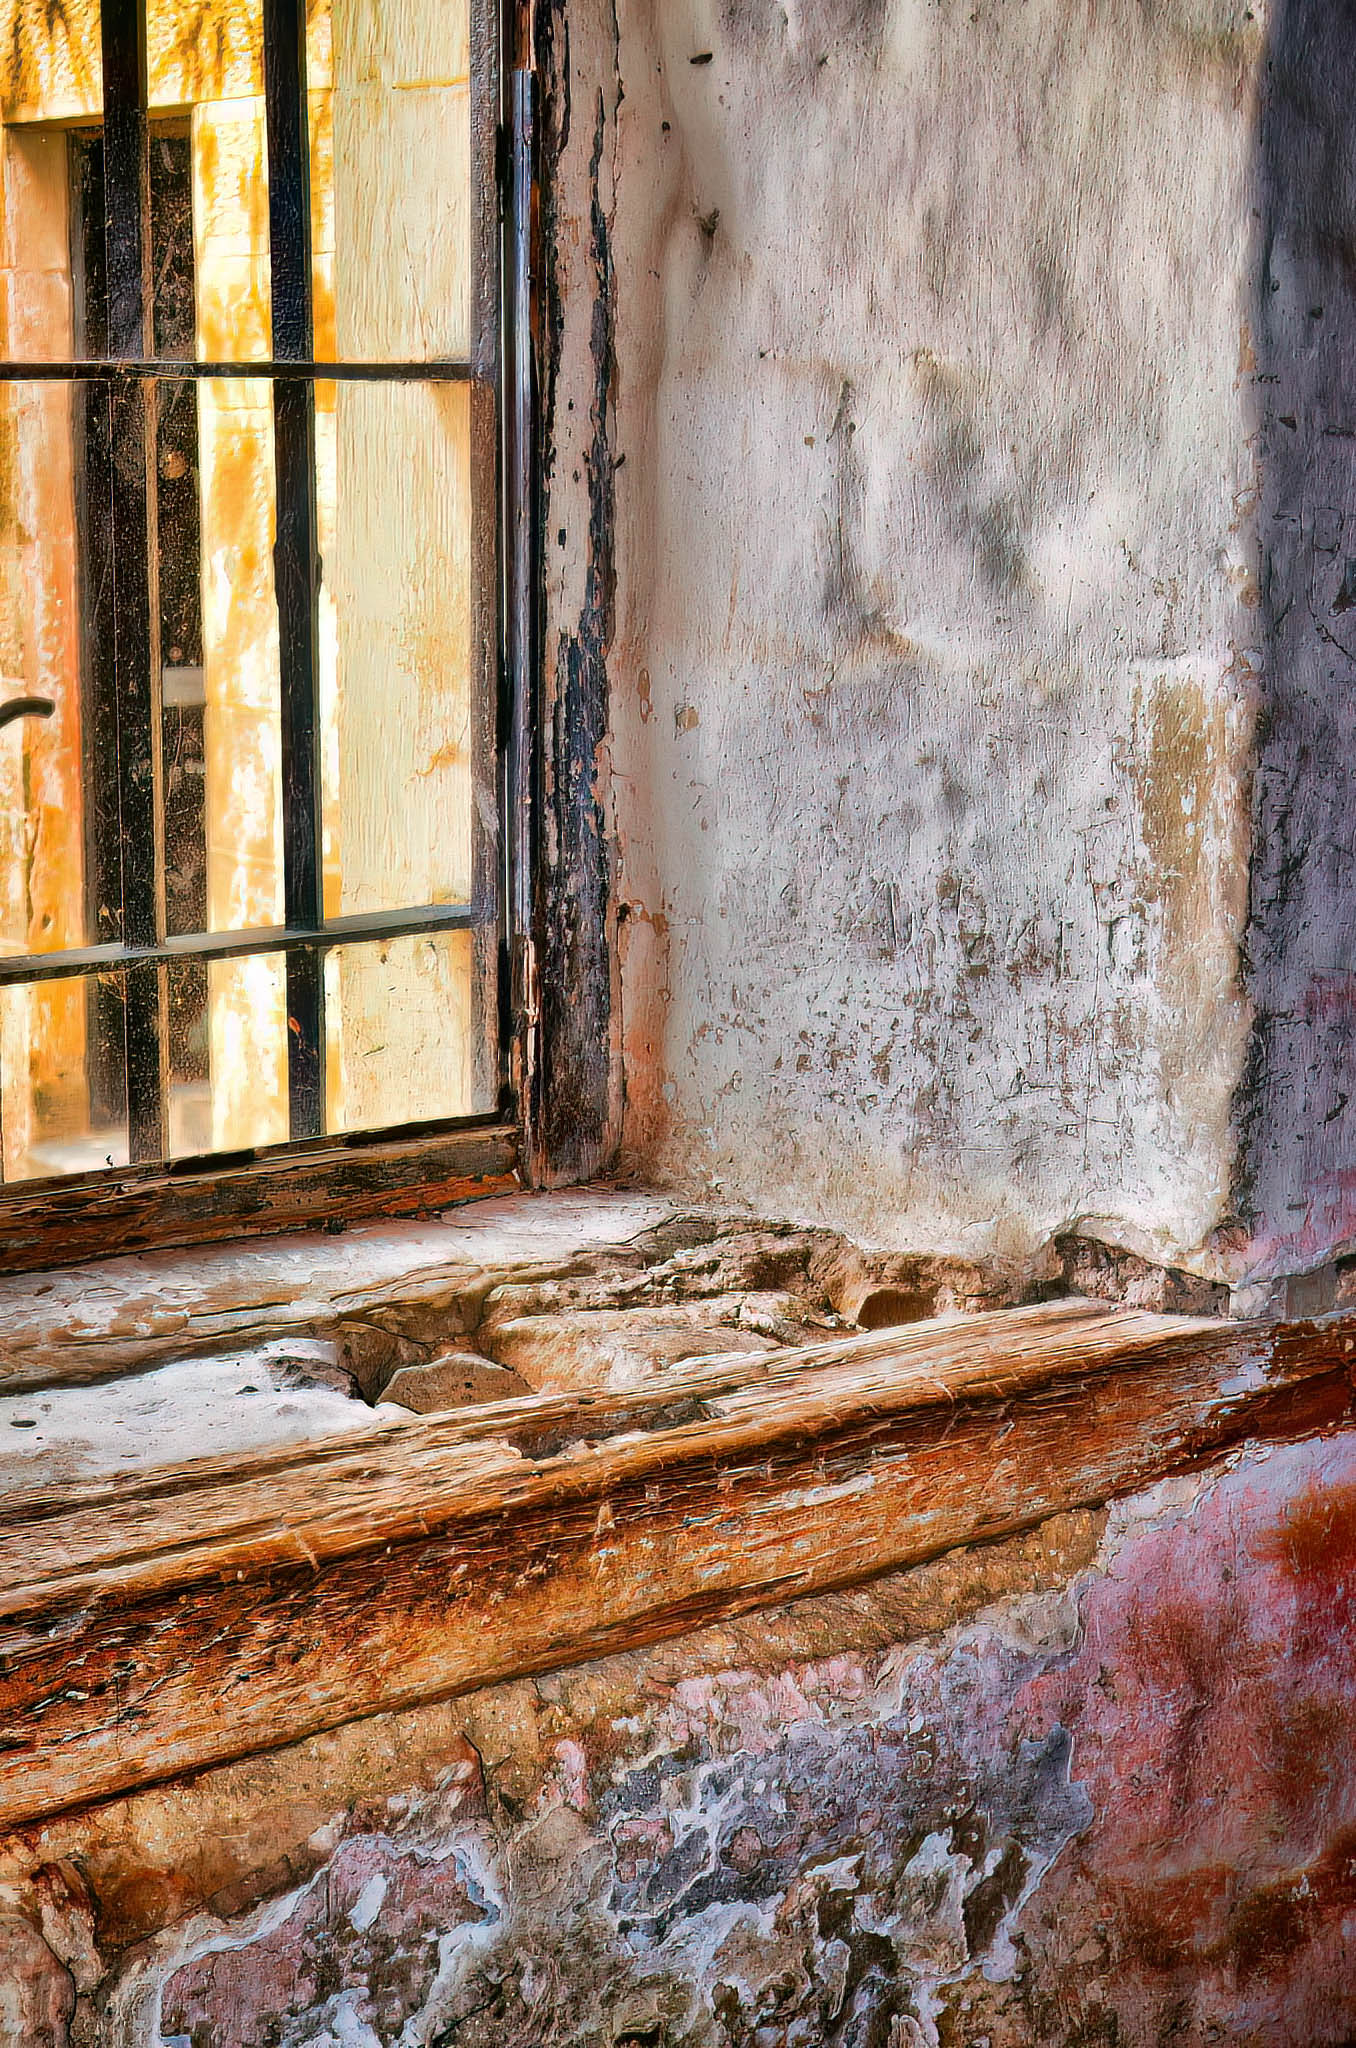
(133,408)
(296,548)
(129,376)
(438,370)
(363,928)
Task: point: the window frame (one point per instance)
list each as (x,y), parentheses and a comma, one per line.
(158,1200)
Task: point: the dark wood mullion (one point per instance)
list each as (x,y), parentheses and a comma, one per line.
(520,611)
(135,607)
(296,564)
(492,982)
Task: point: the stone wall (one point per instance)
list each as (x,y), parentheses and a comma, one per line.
(1085,1787)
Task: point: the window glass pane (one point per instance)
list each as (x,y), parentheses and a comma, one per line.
(397,685)
(35,246)
(398,692)
(221,715)
(205,78)
(60,831)
(406,1034)
(50,69)
(403,685)
(203,52)
(63,1094)
(53,774)
(228,1054)
(230,230)
(391,178)
(206,62)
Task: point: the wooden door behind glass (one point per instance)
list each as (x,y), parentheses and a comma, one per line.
(248,814)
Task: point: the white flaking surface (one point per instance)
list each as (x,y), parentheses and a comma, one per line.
(937,607)
(88,1319)
(194,1408)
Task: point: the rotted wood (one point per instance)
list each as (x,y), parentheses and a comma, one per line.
(152,1627)
(572,1105)
(99,1215)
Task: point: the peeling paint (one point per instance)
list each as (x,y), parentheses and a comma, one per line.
(1104,1798)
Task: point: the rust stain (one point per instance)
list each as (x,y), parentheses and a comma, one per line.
(1314,1542)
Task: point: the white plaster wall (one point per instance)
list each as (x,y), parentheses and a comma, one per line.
(931,688)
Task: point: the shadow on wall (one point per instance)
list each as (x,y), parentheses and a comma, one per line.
(1297,1108)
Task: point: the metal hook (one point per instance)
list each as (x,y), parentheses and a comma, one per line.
(26,707)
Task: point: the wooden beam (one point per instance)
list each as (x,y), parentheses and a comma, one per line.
(339,1180)
(178,1619)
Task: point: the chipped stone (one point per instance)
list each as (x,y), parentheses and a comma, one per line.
(592,1349)
(456,1380)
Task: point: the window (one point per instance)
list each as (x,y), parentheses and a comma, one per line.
(252,783)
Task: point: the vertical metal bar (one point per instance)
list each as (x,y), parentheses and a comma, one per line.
(135,607)
(296,563)
(520,603)
(289,179)
(105,1036)
(127,187)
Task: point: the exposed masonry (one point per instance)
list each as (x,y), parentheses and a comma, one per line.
(1082,1789)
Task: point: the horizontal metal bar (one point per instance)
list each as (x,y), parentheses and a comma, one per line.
(440,370)
(371,928)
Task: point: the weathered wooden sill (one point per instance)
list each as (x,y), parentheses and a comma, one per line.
(333,1181)
(156,1625)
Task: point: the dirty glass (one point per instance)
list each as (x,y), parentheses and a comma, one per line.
(391,178)
(63,1095)
(47,743)
(227,1054)
(206,56)
(404,1041)
(301,566)
(394,504)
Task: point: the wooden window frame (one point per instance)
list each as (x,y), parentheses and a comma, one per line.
(412,1168)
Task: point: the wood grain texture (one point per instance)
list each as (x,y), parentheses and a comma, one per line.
(342,1181)
(152,1627)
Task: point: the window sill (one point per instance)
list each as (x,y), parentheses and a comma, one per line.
(183,1617)
(197,1201)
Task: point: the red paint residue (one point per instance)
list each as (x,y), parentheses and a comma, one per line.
(1213,1708)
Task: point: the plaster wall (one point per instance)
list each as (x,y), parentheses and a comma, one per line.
(910,476)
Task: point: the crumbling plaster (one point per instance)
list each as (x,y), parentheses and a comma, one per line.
(1084,1787)
(907,418)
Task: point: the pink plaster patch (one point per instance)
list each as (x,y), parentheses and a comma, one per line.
(1212,1705)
